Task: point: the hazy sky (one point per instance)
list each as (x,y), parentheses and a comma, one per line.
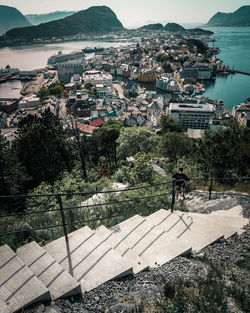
(137,12)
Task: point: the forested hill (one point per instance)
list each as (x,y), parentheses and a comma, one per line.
(94,20)
(241,17)
(10,17)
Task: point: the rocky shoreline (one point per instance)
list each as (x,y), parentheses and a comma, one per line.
(145,289)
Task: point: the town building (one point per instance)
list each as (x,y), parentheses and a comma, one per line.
(8,106)
(98,78)
(80,104)
(68,69)
(131,89)
(244,119)
(242,113)
(194,116)
(29,102)
(238,109)
(167,83)
(147,76)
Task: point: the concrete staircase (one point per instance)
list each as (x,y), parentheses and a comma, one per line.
(93,257)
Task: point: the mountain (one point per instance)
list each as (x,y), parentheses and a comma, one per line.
(156,26)
(173,27)
(241,17)
(10,18)
(94,20)
(37,19)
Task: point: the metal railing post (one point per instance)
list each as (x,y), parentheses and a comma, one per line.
(210,188)
(173,197)
(59,198)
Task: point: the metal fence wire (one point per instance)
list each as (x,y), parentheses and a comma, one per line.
(95,212)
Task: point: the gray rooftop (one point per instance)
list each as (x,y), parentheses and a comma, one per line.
(191,107)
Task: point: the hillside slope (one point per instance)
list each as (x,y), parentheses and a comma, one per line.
(94,20)
(11,18)
(37,19)
(241,17)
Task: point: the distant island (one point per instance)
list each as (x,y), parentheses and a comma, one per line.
(94,20)
(241,17)
(173,27)
(156,26)
(10,17)
(37,19)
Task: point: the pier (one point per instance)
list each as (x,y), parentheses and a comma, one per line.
(239,72)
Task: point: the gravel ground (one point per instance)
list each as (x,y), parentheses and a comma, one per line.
(124,294)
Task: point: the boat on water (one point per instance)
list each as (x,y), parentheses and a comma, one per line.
(61,57)
(92,50)
(8,72)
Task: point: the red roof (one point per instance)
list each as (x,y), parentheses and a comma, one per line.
(85,128)
(97,123)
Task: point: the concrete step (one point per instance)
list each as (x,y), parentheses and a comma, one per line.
(138,234)
(19,287)
(235,211)
(88,258)
(213,225)
(59,282)
(230,223)
(181,233)
(129,256)
(4,307)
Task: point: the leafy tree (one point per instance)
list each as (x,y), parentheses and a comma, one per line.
(216,152)
(43,92)
(162,57)
(242,161)
(167,67)
(13,178)
(140,171)
(175,146)
(201,47)
(104,139)
(169,124)
(41,148)
(88,86)
(79,145)
(3,166)
(56,91)
(136,139)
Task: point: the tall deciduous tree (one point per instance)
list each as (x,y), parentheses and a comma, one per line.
(175,146)
(136,139)
(106,139)
(216,152)
(41,147)
(169,124)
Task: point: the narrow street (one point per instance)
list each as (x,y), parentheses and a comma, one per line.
(119,89)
